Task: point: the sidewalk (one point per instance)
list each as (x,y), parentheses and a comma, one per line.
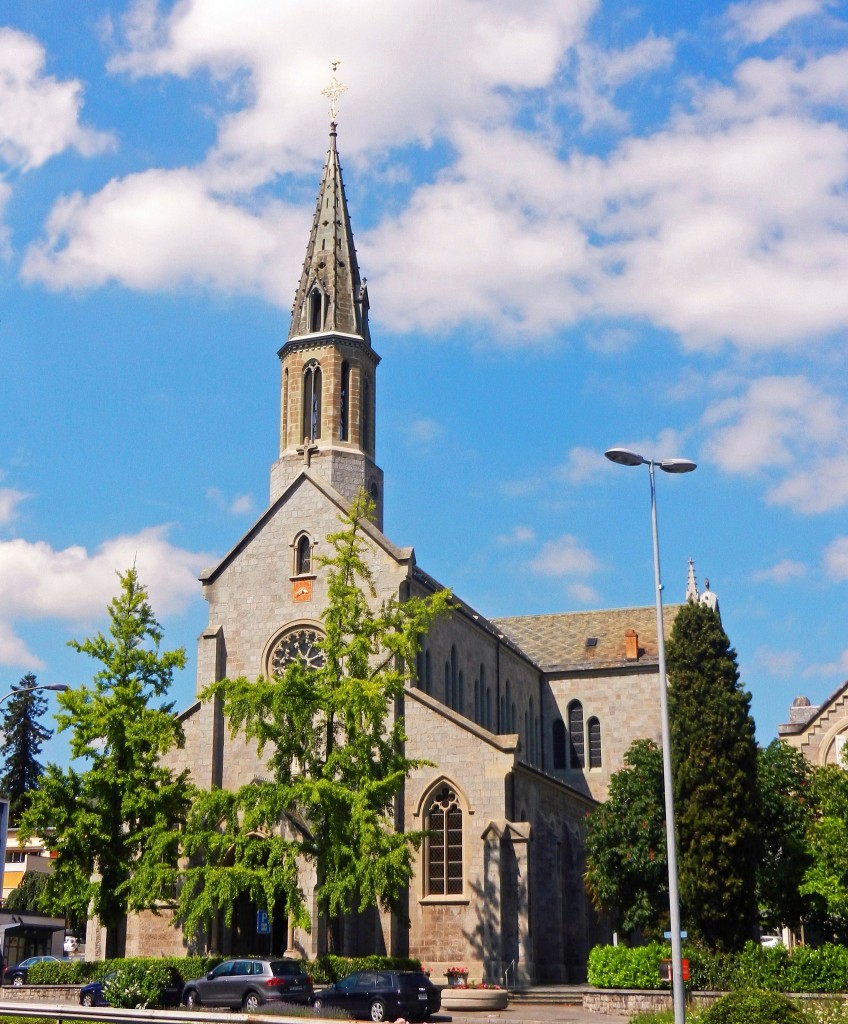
(531,1013)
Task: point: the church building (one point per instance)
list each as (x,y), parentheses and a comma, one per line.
(526,717)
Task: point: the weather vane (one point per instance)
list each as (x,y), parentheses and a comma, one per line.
(333,91)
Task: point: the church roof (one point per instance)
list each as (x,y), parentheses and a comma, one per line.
(330,264)
(581,641)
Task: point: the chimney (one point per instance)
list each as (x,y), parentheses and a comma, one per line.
(631,645)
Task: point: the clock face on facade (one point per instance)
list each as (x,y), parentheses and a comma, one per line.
(300,644)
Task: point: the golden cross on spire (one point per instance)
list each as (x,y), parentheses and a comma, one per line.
(333,91)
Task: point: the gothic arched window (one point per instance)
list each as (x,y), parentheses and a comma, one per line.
(316,311)
(577,745)
(344,404)
(594,730)
(312,400)
(443,851)
(558,744)
(303,556)
(365,414)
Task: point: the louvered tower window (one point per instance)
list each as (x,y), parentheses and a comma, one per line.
(444,844)
(312,401)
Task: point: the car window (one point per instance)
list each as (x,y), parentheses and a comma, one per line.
(242,968)
(366,979)
(285,968)
(384,981)
(223,970)
(348,983)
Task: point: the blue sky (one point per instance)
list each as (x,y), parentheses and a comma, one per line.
(583,224)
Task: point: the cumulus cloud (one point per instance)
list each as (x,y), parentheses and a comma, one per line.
(783,664)
(836,560)
(784,571)
(565,557)
(756,22)
(75,586)
(581,465)
(39,115)
(518,535)
(9,501)
(422,432)
(837,667)
(238,505)
(790,431)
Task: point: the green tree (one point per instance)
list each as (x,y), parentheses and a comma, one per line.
(784,779)
(336,761)
(627,867)
(714,755)
(112,824)
(28,895)
(826,878)
(23,735)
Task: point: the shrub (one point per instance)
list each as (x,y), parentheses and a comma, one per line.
(824,969)
(753,1006)
(136,985)
(625,967)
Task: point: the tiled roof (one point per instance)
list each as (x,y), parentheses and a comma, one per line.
(557,643)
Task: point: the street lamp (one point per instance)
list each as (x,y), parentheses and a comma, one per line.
(60,687)
(625,457)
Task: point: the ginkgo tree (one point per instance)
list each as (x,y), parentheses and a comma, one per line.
(336,761)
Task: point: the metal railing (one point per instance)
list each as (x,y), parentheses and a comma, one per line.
(112,1015)
(509,967)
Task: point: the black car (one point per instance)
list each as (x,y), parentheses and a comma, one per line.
(383,995)
(17,974)
(93,993)
(248,982)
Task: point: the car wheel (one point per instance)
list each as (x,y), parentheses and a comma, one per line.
(192,1000)
(18,980)
(252,1002)
(88,999)
(378,1010)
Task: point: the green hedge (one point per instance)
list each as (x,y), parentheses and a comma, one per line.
(324,970)
(804,969)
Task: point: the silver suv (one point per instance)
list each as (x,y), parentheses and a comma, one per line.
(249,982)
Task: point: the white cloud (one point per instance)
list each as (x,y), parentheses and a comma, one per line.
(565,557)
(581,465)
(9,501)
(789,429)
(238,505)
(423,432)
(836,560)
(75,586)
(39,115)
(784,571)
(519,535)
(782,664)
(756,22)
(583,594)
(837,667)
(158,229)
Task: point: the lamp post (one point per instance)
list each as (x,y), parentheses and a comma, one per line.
(625,457)
(4,801)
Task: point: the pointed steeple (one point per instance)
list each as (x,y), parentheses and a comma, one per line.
(691,584)
(330,295)
(328,381)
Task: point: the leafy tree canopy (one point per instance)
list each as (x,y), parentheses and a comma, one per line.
(28,895)
(627,873)
(111,817)
(336,760)
(714,756)
(826,878)
(23,736)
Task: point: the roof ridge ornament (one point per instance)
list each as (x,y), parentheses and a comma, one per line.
(333,91)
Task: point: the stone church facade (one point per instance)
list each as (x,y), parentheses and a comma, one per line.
(526,717)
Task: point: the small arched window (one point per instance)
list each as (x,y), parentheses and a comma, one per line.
(316,311)
(558,744)
(312,401)
(443,854)
(577,745)
(303,556)
(594,730)
(344,404)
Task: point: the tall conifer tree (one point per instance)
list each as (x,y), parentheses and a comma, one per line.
(716,804)
(23,735)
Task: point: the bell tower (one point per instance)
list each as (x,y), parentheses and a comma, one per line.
(328,368)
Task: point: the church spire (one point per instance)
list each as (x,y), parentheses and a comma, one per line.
(330,295)
(328,379)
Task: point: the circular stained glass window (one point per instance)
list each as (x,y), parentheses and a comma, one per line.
(300,644)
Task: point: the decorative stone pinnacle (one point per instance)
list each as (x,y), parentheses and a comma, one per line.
(333,91)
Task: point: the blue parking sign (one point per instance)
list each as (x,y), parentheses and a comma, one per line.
(263,925)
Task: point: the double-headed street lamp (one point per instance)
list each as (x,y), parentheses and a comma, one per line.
(625,457)
(61,687)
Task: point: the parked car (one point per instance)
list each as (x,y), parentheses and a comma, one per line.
(94,994)
(17,975)
(770,941)
(247,983)
(383,995)
(71,944)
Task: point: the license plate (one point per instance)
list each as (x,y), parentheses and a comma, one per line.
(295,988)
(422,995)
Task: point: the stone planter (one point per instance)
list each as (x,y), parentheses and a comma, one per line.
(467,999)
